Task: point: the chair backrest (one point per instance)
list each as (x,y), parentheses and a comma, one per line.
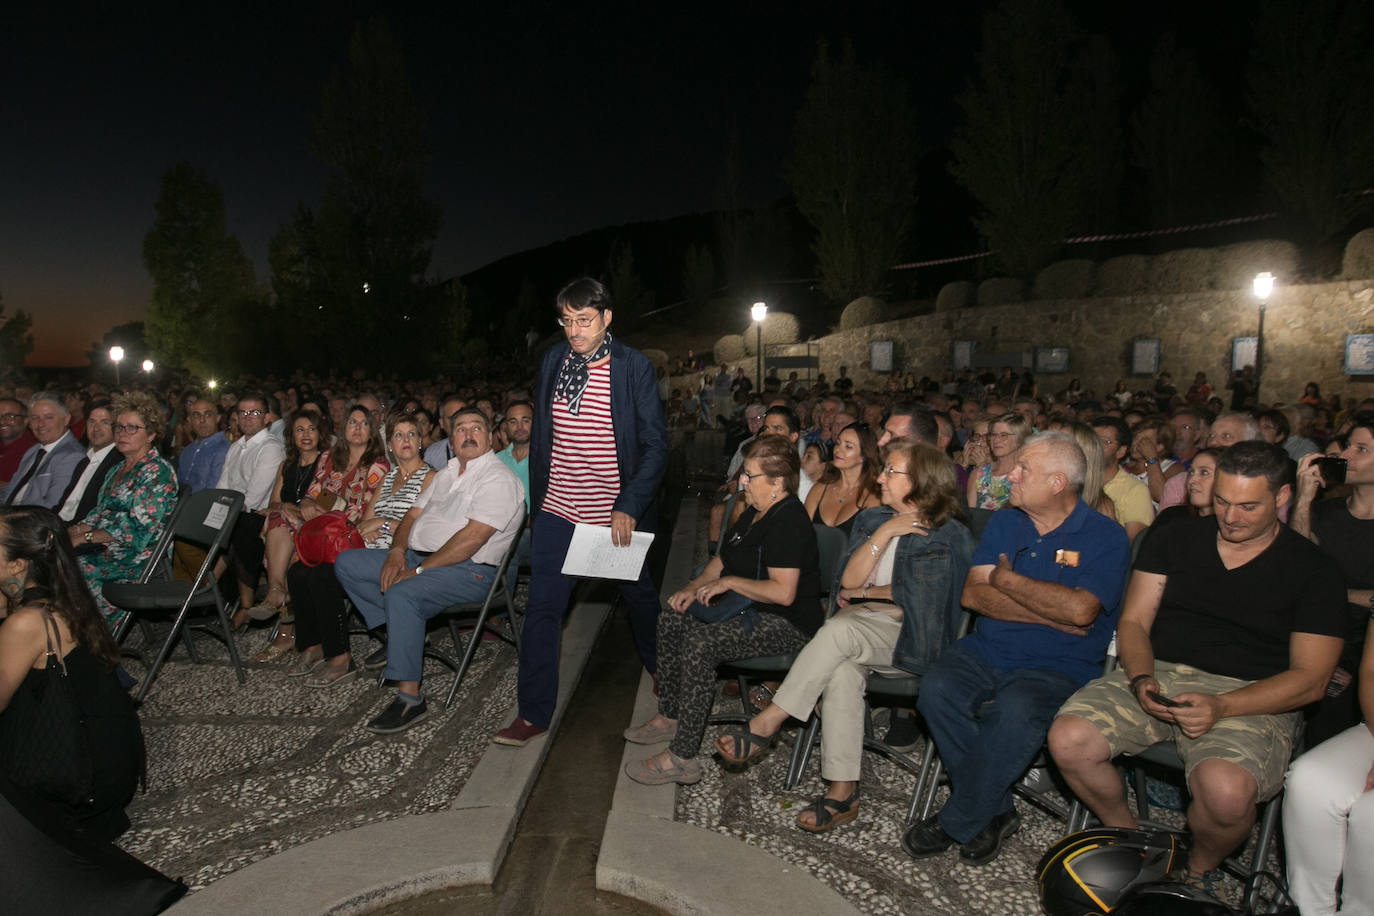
(978,520)
(725,520)
(159,563)
(207,518)
(830,543)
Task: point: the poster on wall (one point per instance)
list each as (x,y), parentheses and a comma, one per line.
(880,356)
(963,354)
(1052,360)
(1243,352)
(1145,356)
(1359,354)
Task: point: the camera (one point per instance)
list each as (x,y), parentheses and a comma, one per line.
(1332,470)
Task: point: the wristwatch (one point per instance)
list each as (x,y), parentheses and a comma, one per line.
(419,569)
(89,535)
(1151,462)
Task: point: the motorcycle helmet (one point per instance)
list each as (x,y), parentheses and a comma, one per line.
(1089,872)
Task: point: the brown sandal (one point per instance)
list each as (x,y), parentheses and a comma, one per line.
(830,812)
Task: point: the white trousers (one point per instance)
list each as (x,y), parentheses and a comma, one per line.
(836,663)
(1328,822)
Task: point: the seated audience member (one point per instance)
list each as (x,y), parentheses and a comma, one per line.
(814,460)
(317,598)
(441,452)
(75,402)
(117,537)
(899,608)
(1130,497)
(1091,493)
(84,488)
(519,426)
(250,467)
(346,477)
(50,615)
(1279,426)
(1236,623)
(1149,460)
(716,520)
(47,466)
(1344,528)
(1229,428)
(444,552)
(294,476)
(1328,814)
(909,420)
(988,487)
(15,437)
(429,432)
(1190,426)
(1201,477)
(975,452)
(1046,581)
(202,461)
(769,564)
(850,483)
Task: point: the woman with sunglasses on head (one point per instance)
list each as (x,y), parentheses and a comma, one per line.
(117,538)
(988,487)
(850,482)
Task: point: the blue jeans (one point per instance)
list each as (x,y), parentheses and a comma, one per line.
(988,724)
(408,605)
(548,600)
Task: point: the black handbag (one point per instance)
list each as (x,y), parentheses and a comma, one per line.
(730,605)
(43,733)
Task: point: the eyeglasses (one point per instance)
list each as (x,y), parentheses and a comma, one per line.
(127,428)
(580,322)
(1001,435)
(11,417)
(890,470)
(250,413)
(745,476)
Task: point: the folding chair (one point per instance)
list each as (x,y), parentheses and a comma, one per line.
(205,519)
(503,588)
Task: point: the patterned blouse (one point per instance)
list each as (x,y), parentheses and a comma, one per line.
(394,505)
(993,492)
(133,510)
(353,490)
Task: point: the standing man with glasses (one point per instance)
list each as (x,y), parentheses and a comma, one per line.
(250,467)
(597,455)
(47,465)
(15,437)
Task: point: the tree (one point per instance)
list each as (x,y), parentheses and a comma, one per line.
(853,172)
(353,270)
(623,283)
(16,338)
(1031,118)
(132,337)
(202,280)
(698,275)
(1310,79)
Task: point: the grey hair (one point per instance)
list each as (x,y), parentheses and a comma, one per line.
(1251,424)
(52,396)
(1065,457)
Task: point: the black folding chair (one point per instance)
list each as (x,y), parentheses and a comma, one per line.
(204,519)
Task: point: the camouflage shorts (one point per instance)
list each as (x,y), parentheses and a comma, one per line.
(1261,745)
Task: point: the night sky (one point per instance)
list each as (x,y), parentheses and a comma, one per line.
(545,120)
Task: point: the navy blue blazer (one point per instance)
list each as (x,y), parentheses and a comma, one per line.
(641,438)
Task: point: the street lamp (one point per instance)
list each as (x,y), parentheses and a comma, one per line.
(116,354)
(759,311)
(148,366)
(1263,286)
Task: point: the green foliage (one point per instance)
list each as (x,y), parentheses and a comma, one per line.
(853,172)
(1310,79)
(202,280)
(623,283)
(1039,146)
(698,275)
(16,338)
(132,337)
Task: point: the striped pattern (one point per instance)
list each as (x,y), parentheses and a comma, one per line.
(584,475)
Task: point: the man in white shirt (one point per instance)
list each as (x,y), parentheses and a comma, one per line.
(250,467)
(445,552)
(47,466)
(101,458)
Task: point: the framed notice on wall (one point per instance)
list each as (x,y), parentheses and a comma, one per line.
(1052,360)
(963,354)
(1243,352)
(1359,354)
(880,356)
(1145,356)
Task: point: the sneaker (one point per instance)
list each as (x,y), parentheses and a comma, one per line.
(375,661)
(987,845)
(517,734)
(399,716)
(926,838)
(903,735)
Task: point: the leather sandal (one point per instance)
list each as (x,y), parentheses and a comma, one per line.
(830,812)
(652,772)
(266,610)
(740,747)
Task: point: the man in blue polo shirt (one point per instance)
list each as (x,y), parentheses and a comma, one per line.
(1046,581)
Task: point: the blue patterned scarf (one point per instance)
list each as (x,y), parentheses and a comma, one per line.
(572,378)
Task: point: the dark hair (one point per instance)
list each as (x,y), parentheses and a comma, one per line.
(934,488)
(474,412)
(1281,425)
(924,427)
(1121,431)
(1253,458)
(789,416)
(777,456)
(868,448)
(103,404)
(338,455)
(522,402)
(585,293)
(293,454)
(1361,419)
(38,536)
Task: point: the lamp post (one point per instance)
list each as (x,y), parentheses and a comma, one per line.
(759,311)
(116,354)
(1263,286)
(148,366)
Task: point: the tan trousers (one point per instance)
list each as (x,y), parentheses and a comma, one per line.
(835,663)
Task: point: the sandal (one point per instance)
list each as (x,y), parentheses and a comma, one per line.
(266,610)
(651,734)
(325,676)
(306,663)
(830,812)
(740,747)
(275,650)
(652,772)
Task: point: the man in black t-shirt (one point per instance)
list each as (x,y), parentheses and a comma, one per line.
(1344,528)
(1231,624)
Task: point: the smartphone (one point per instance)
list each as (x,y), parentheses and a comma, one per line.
(1332,470)
(1162,700)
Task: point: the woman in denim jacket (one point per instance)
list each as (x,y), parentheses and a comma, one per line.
(897,609)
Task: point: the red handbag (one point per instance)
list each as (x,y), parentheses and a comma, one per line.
(324,537)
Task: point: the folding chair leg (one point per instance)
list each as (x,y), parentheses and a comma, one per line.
(801,751)
(162,653)
(225,613)
(1269,825)
(468,653)
(923,796)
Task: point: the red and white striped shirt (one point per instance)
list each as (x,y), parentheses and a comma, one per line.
(584,474)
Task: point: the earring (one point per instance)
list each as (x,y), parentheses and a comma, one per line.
(775,496)
(13,587)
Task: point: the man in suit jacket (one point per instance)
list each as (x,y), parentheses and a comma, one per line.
(89,475)
(46,468)
(597,454)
